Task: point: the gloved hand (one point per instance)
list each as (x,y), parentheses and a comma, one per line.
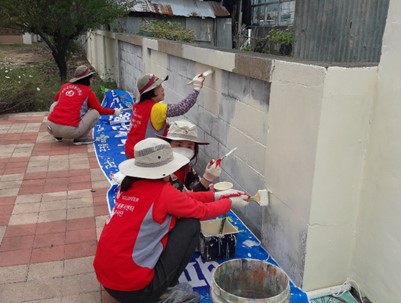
(240,202)
(212,171)
(197,82)
(230,193)
(117,177)
(117,112)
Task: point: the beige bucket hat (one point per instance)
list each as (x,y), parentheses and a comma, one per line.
(148,82)
(154,159)
(183,130)
(81,72)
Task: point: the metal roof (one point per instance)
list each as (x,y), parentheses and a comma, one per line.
(187,8)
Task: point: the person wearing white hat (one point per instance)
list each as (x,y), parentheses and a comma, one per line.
(183,138)
(76,109)
(149,115)
(154,228)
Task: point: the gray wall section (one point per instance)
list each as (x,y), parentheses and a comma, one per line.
(339,31)
(131,65)
(245,173)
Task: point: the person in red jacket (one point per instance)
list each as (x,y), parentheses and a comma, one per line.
(149,114)
(183,138)
(76,109)
(154,228)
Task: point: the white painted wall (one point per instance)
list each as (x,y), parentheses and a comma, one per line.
(294,118)
(376,263)
(346,109)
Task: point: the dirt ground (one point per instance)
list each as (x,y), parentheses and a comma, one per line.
(37,54)
(25,55)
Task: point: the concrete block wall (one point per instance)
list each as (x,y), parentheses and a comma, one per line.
(279,115)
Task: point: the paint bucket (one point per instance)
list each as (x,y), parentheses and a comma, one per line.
(214,245)
(249,281)
(223,185)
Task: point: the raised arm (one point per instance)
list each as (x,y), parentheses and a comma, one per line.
(185,105)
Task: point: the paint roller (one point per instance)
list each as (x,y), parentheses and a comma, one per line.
(261,197)
(204,74)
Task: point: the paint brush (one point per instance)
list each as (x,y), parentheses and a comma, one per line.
(204,74)
(261,197)
(223,222)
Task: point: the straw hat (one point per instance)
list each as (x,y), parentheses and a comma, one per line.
(81,72)
(154,159)
(183,130)
(148,82)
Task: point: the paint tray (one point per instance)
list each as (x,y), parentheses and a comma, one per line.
(212,245)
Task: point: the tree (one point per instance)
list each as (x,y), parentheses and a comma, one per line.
(60,22)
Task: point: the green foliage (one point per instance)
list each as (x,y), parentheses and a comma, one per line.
(277,42)
(167,30)
(280,36)
(60,22)
(99,86)
(25,89)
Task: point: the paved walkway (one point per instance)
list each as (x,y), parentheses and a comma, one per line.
(52,209)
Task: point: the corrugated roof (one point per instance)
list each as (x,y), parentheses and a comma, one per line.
(187,8)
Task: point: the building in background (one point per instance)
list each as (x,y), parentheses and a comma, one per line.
(210,20)
(272,12)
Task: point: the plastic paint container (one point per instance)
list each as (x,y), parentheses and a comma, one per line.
(224,185)
(212,244)
(249,281)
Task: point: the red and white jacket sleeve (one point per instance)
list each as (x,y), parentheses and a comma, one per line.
(93,102)
(194,205)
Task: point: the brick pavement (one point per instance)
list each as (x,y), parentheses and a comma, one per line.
(52,209)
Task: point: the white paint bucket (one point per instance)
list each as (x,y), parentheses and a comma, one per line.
(224,185)
(249,281)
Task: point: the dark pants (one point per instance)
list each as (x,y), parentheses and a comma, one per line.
(181,245)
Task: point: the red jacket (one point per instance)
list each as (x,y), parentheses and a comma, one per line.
(141,126)
(137,233)
(74,100)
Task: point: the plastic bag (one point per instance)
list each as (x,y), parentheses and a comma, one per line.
(181,293)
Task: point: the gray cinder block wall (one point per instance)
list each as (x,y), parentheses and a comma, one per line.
(281,115)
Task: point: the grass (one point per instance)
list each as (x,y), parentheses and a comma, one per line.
(29,78)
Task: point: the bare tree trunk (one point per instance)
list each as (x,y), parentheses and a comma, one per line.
(59,52)
(62,65)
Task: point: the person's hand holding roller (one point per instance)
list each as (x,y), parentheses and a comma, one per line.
(230,193)
(197,82)
(240,202)
(117,112)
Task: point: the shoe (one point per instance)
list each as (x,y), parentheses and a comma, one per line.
(58,139)
(83,141)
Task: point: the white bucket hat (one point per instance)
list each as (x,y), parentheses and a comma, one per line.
(183,130)
(154,159)
(81,72)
